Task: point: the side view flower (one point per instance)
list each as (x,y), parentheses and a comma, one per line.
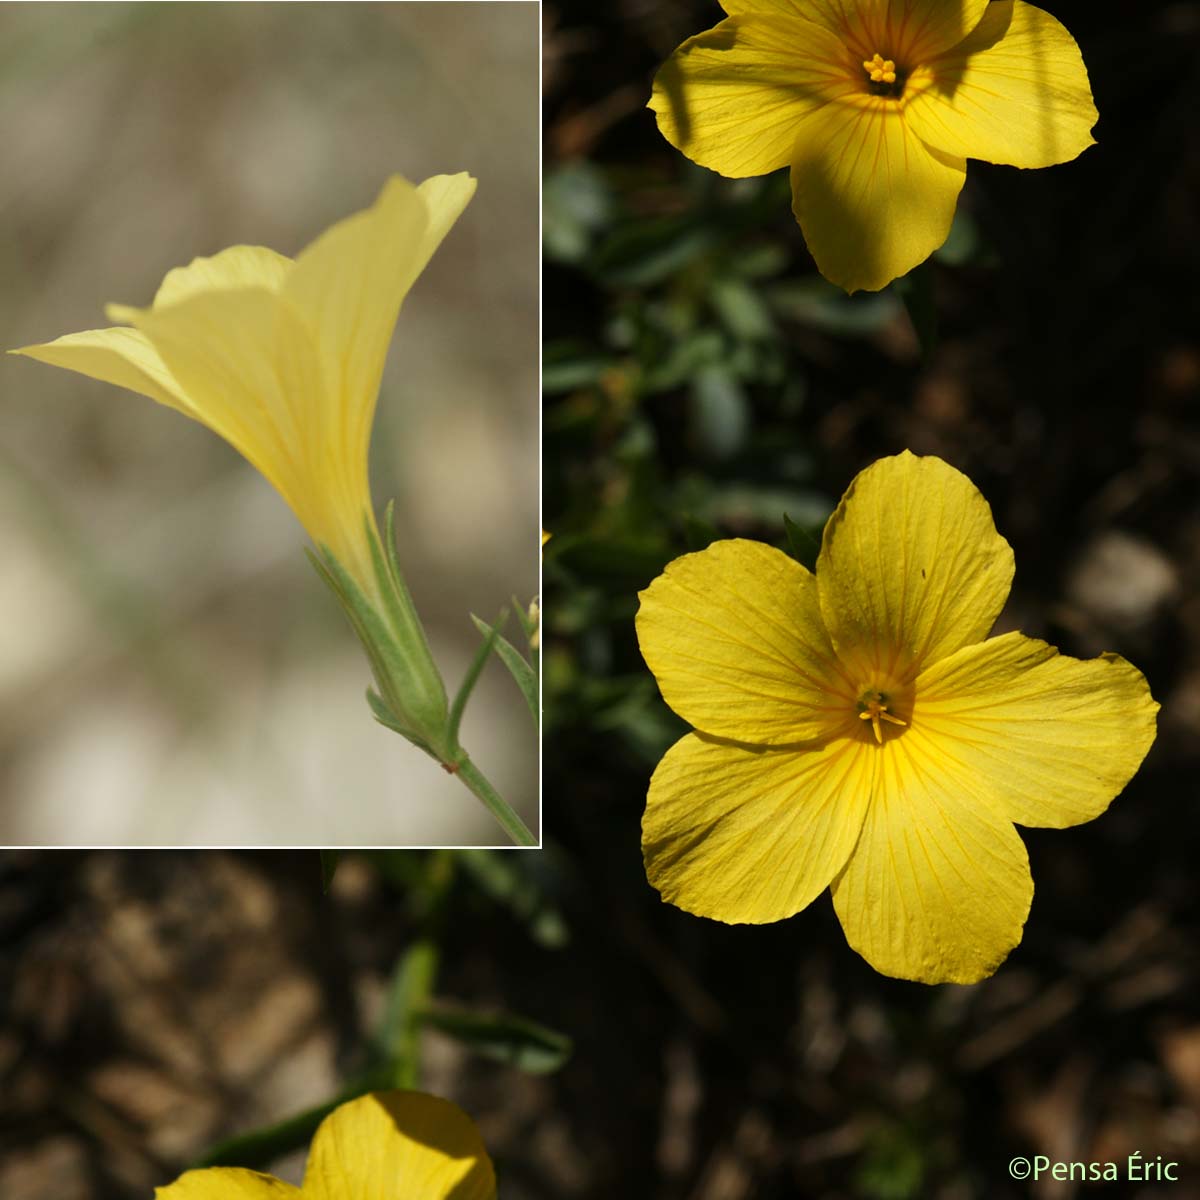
(383,1146)
(875,106)
(857,729)
(283,359)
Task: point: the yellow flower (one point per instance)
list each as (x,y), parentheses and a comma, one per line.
(385,1146)
(283,358)
(857,729)
(875,105)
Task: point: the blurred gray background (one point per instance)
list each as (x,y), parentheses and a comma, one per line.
(172,671)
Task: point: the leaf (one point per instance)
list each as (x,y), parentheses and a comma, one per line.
(570,365)
(528,623)
(744,504)
(518,881)
(519,1042)
(823,306)
(395,1042)
(722,412)
(742,310)
(474,670)
(576,203)
(520,670)
(263,1146)
(647,252)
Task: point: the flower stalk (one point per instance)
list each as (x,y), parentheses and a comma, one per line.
(411,697)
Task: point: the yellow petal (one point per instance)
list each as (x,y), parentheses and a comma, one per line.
(1016,91)
(221,348)
(732,98)
(120,356)
(227,1183)
(253,374)
(918,29)
(237,267)
(734,637)
(938,887)
(396,1145)
(348,285)
(911,567)
(445,198)
(1040,737)
(872,199)
(906,30)
(747,835)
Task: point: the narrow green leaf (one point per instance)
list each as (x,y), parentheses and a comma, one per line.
(262,1146)
(519,882)
(528,625)
(408,994)
(474,670)
(513,1040)
(520,670)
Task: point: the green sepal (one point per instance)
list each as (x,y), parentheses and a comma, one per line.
(411,698)
(520,670)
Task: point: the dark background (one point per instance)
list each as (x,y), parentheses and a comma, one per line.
(701,380)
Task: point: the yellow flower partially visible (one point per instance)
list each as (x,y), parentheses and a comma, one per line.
(281,358)
(875,106)
(856,729)
(384,1146)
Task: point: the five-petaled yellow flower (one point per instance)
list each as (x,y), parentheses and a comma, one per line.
(857,729)
(283,358)
(385,1146)
(875,105)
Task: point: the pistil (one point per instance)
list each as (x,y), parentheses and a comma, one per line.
(873,707)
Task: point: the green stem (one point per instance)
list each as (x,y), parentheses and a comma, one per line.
(516,829)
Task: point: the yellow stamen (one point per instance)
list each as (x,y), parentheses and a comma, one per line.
(875,710)
(880,69)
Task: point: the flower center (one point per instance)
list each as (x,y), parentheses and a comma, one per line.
(873,706)
(882,77)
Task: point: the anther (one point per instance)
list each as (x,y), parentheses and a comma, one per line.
(880,69)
